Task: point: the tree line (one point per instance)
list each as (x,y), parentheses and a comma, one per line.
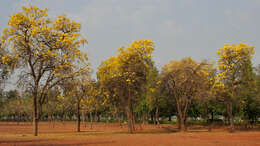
(55,82)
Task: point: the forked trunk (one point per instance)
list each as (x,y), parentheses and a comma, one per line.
(181,115)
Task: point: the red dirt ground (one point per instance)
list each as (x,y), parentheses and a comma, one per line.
(63,133)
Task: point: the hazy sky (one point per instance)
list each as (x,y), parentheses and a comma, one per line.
(179,28)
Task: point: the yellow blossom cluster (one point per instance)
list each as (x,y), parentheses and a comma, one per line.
(128,68)
(231,59)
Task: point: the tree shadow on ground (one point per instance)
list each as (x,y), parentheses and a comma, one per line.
(162,130)
(23,141)
(50,142)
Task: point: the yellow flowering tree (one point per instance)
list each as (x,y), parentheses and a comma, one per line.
(77,89)
(126,74)
(183,81)
(45,52)
(110,79)
(91,100)
(4,64)
(232,62)
(153,98)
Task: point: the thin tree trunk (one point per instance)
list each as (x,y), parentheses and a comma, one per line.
(107,119)
(232,128)
(151,114)
(35,115)
(230,107)
(143,117)
(206,116)
(157,116)
(133,118)
(91,119)
(78,116)
(129,110)
(96,116)
(154,119)
(119,119)
(211,121)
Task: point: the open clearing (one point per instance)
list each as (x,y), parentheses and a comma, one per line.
(63,133)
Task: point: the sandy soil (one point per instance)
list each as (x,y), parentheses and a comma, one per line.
(63,133)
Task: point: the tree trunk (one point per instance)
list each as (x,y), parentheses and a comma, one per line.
(35,115)
(107,119)
(151,114)
(96,116)
(133,117)
(143,117)
(78,116)
(153,118)
(129,117)
(230,115)
(119,119)
(246,123)
(179,122)
(182,125)
(182,114)
(206,116)
(91,120)
(130,121)
(169,118)
(211,121)
(157,116)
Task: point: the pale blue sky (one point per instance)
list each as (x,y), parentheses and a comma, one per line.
(179,28)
